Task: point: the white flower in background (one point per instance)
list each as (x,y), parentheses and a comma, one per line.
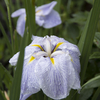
(45,17)
(51,64)
(21,20)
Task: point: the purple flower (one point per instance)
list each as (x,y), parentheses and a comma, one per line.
(51,64)
(45,17)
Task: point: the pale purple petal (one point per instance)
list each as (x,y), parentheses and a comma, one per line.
(77,82)
(29,83)
(75,60)
(52,20)
(39,21)
(21,24)
(14,59)
(36,38)
(29,50)
(18,12)
(47,8)
(56,80)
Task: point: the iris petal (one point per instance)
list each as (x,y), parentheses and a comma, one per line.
(39,21)
(18,12)
(29,84)
(59,79)
(47,8)
(52,20)
(21,24)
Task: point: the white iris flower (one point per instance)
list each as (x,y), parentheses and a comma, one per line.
(45,16)
(51,64)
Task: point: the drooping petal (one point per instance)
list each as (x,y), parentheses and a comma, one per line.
(52,19)
(29,83)
(75,60)
(21,25)
(76,84)
(39,20)
(14,59)
(46,9)
(18,12)
(56,80)
(29,50)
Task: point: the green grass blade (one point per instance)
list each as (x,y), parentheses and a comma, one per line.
(15,90)
(92,83)
(4,15)
(40,2)
(6,38)
(88,40)
(57,7)
(30,15)
(9,18)
(5,76)
(96,94)
(83,36)
(2,97)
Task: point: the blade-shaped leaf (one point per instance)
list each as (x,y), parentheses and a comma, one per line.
(2,97)
(5,76)
(15,90)
(92,83)
(96,94)
(86,41)
(6,38)
(97,39)
(30,15)
(85,94)
(95,55)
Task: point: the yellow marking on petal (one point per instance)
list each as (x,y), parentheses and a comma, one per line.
(52,60)
(31,59)
(58,46)
(38,46)
(38,11)
(71,58)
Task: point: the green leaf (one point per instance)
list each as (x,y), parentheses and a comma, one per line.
(15,90)
(85,94)
(79,17)
(4,15)
(95,55)
(96,94)
(97,39)
(10,25)
(30,15)
(6,38)
(92,83)
(5,76)
(86,40)
(2,97)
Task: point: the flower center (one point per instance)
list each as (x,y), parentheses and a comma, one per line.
(48,50)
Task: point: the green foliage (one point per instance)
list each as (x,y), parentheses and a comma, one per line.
(2,97)
(15,89)
(97,39)
(80,25)
(5,76)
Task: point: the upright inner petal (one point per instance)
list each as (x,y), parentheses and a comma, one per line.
(47,46)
